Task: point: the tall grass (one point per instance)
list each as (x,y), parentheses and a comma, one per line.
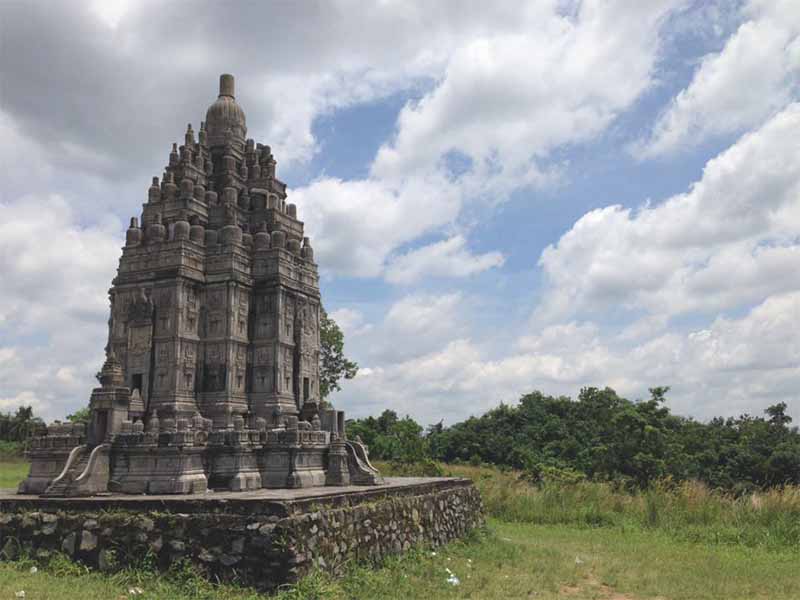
(688,510)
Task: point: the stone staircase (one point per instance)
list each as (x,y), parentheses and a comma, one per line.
(85,474)
(60,485)
(361,470)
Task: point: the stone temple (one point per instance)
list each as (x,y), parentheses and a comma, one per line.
(211,378)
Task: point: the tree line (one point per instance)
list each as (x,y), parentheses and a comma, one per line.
(601,436)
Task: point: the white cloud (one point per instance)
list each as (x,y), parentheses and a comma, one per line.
(351,322)
(753,76)
(503,101)
(25,398)
(414,324)
(448,258)
(730,367)
(729,241)
(619,284)
(53,266)
(765,340)
(110,12)
(418,323)
(417,314)
(54,304)
(561,338)
(103,63)
(509,98)
(357,224)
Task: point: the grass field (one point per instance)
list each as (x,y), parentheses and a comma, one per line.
(578,542)
(12,472)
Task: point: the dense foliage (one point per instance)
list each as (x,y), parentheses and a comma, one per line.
(333,365)
(390,438)
(17,427)
(603,437)
(82,414)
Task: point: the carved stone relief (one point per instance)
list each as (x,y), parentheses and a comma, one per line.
(215,374)
(140,339)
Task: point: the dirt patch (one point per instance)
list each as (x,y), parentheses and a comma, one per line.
(596,589)
(569,590)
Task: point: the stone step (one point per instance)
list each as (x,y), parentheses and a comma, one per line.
(59,488)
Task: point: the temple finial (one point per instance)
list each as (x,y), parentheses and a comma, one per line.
(226,85)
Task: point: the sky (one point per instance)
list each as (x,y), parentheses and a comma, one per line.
(502,197)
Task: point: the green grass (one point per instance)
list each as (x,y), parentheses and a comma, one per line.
(581,542)
(534,561)
(12,472)
(512,561)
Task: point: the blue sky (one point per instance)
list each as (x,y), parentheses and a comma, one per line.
(546,195)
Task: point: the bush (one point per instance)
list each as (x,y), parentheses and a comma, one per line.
(541,474)
(423,468)
(11,450)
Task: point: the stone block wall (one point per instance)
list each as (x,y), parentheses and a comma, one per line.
(328,538)
(255,542)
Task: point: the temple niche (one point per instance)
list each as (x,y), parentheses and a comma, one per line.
(212,371)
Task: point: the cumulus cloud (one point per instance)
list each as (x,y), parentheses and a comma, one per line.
(54,304)
(729,241)
(722,256)
(110,97)
(351,322)
(105,100)
(418,323)
(506,98)
(448,258)
(754,75)
(510,98)
(730,367)
(357,224)
(508,85)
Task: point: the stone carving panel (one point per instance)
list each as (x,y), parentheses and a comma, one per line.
(188,378)
(161,381)
(288,316)
(140,339)
(216,299)
(216,324)
(262,379)
(263,356)
(287,370)
(214,377)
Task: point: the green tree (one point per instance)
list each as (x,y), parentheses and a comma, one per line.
(20,426)
(391,438)
(777,414)
(333,364)
(82,414)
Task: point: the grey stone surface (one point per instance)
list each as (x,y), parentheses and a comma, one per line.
(211,378)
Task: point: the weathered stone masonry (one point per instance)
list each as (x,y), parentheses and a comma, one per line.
(211,378)
(257,541)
